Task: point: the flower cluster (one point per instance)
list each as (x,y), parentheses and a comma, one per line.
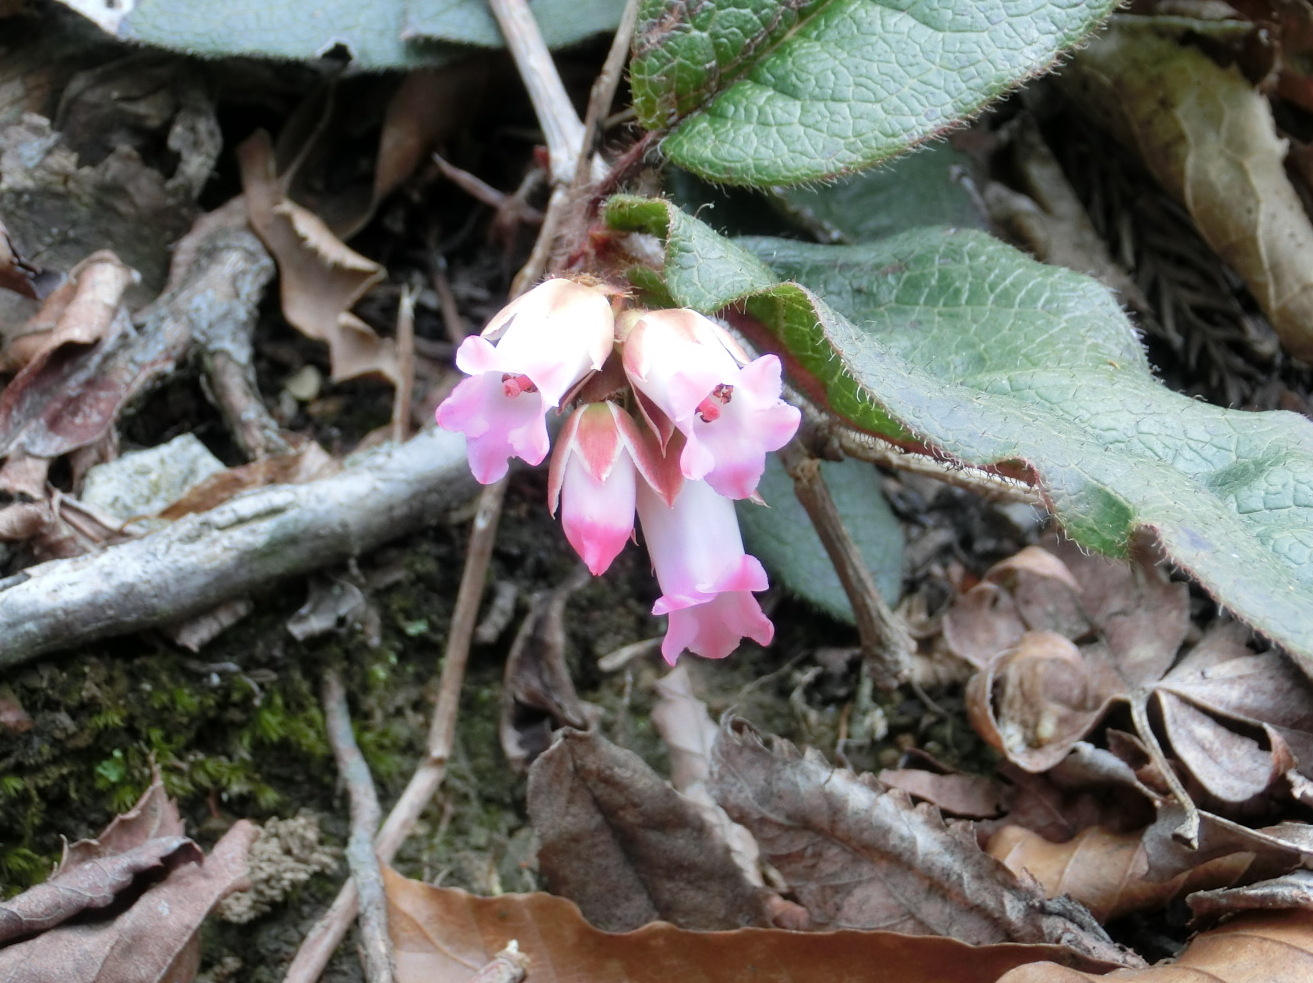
(704,418)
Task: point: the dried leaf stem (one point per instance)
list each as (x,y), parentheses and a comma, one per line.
(328,932)
(886,644)
(366,874)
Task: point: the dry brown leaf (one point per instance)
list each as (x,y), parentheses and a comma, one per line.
(446,936)
(626,847)
(858,856)
(154,940)
(1292,890)
(1207,135)
(91,884)
(1240,723)
(1267,948)
(1107,872)
(948,789)
(307,463)
(320,277)
(538,695)
(60,400)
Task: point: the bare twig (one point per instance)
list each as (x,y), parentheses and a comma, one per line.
(602,93)
(365,814)
(246,543)
(452,319)
(886,644)
(327,934)
(406,362)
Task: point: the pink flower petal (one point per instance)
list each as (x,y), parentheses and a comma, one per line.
(713,630)
(598,516)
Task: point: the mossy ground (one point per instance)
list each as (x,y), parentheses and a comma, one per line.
(237,731)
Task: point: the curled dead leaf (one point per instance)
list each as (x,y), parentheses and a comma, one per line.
(1274,948)
(1107,872)
(320,277)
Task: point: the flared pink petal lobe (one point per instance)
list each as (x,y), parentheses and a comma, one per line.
(470,406)
(476,356)
(598,515)
(763,378)
(496,426)
(713,630)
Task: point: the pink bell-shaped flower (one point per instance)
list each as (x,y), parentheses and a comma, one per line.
(546,341)
(692,372)
(706,579)
(599,456)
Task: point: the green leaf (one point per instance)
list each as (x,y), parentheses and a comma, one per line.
(378,35)
(992,357)
(783,538)
(769,92)
(916,190)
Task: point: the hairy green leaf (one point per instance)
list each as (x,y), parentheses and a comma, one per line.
(384,34)
(769,92)
(783,538)
(992,357)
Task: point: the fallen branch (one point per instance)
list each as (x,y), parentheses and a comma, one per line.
(241,546)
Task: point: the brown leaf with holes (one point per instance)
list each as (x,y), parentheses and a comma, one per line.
(538,695)
(320,277)
(860,856)
(626,847)
(1108,872)
(447,936)
(1253,948)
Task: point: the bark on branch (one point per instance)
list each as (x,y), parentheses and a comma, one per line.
(244,544)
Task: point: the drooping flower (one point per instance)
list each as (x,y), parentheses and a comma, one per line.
(546,341)
(706,578)
(730,412)
(599,456)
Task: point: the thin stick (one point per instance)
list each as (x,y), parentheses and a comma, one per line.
(602,93)
(328,932)
(377,956)
(406,361)
(886,644)
(562,129)
(452,320)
